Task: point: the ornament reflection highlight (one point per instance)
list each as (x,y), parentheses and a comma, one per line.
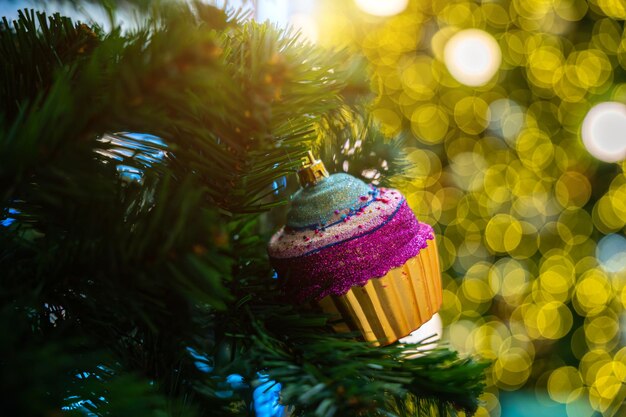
(382,7)
(430,332)
(603,131)
(472,56)
(266,396)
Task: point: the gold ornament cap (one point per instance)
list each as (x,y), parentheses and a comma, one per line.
(312,171)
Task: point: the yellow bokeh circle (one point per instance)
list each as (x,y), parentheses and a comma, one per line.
(572,189)
(429,123)
(535,149)
(601,330)
(562,382)
(471,115)
(554,320)
(512,368)
(592,293)
(503,233)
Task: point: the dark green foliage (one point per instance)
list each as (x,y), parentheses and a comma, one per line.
(352,143)
(125,253)
(332,375)
(45,366)
(30,62)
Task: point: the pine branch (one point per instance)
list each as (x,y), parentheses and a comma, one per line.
(151,248)
(350,141)
(30,62)
(53,372)
(325,374)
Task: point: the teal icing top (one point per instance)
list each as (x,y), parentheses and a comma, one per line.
(315,205)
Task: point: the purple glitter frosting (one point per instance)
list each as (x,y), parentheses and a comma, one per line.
(335,268)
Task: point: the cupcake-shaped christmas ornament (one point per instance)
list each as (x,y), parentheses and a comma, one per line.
(359,253)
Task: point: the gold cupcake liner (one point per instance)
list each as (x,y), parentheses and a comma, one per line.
(389,308)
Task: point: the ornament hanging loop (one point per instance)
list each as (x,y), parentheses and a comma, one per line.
(312,171)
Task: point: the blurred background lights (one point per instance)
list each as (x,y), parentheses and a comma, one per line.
(472,56)
(603,131)
(306,25)
(533,251)
(611,253)
(507,118)
(382,7)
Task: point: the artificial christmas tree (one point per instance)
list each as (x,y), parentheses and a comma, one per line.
(134,274)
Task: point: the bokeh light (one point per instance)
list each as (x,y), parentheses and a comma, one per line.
(519,168)
(382,7)
(611,253)
(507,119)
(603,131)
(472,56)
(306,25)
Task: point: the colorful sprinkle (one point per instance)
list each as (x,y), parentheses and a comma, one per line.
(341,227)
(336,268)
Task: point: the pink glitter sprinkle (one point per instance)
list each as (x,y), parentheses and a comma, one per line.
(336,211)
(353,262)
